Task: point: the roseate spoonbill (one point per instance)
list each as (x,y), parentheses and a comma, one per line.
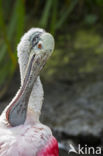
(21,133)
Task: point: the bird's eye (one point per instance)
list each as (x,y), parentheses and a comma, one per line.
(39,45)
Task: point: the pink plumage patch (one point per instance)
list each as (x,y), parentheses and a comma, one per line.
(51,149)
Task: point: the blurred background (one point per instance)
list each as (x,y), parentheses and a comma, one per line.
(73,77)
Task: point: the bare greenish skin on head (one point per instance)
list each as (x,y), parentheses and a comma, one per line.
(40,49)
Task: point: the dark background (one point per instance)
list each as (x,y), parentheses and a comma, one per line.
(73,77)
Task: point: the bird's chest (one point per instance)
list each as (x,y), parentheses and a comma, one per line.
(24,140)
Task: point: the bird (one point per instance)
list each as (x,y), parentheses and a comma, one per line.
(21,132)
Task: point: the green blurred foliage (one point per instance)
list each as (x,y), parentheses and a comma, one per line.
(11,32)
(79,48)
(78,54)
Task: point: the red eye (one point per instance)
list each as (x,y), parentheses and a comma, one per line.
(39,46)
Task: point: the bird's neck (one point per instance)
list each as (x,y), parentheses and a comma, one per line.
(37,94)
(35,102)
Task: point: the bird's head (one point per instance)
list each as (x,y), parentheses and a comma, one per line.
(35,43)
(34,49)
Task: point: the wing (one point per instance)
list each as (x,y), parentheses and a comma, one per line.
(27,141)
(51,149)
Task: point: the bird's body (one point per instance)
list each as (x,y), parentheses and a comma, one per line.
(27,140)
(21,133)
